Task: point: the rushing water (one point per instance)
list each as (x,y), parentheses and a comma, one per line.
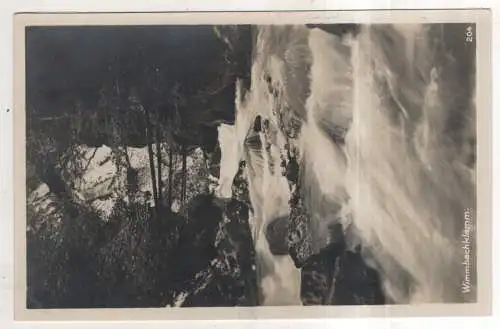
(399,183)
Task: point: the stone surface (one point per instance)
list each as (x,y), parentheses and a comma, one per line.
(276,233)
(230,278)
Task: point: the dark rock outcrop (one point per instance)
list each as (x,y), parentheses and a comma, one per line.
(354,282)
(236,258)
(239,188)
(240,40)
(196,246)
(301,246)
(336,276)
(229,277)
(337,29)
(257,125)
(221,271)
(317,275)
(276,233)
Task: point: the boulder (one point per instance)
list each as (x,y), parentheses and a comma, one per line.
(276,233)
(230,277)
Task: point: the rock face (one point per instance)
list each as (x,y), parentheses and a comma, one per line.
(337,29)
(300,234)
(226,275)
(355,282)
(276,234)
(239,188)
(220,269)
(336,276)
(196,246)
(240,40)
(236,257)
(317,278)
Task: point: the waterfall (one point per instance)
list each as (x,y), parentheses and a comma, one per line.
(401,178)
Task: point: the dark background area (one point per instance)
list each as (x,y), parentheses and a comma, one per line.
(133,86)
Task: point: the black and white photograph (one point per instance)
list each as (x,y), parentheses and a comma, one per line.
(250,165)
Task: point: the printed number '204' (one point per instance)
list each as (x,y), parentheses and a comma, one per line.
(468,34)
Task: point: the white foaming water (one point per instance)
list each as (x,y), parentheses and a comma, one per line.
(407,194)
(399,185)
(269,193)
(230,155)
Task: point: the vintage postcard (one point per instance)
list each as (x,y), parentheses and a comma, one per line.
(252,165)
